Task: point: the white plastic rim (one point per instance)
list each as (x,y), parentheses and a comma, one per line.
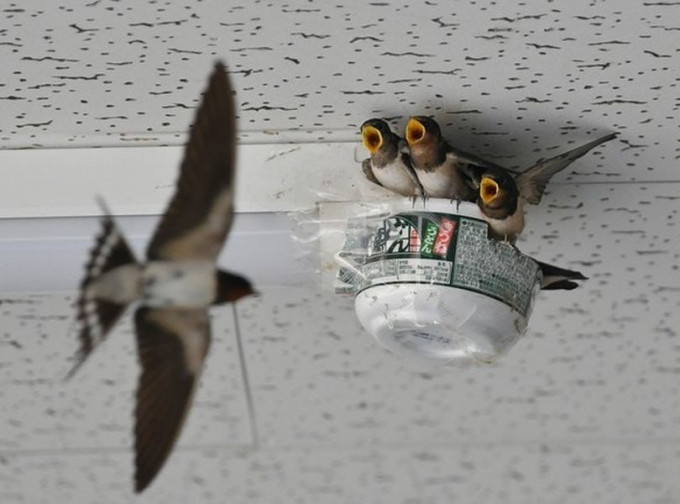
(436,325)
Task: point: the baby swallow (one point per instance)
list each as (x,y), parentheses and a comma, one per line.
(555,278)
(438,165)
(388,166)
(175,286)
(501,195)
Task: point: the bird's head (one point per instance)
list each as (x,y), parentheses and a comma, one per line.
(374,134)
(498,191)
(231,287)
(488,190)
(420,128)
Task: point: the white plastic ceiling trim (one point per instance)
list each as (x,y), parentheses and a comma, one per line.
(49,215)
(140,180)
(48,254)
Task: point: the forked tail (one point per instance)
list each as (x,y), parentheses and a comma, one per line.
(95,316)
(555,278)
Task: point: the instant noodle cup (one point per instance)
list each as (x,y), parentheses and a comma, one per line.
(434,288)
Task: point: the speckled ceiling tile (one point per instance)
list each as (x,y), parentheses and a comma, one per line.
(107,477)
(330,476)
(604,359)
(11,491)
(404,476)
(546,474)
(36,337)
(29,418)
(475,472)
(103,477)
(610,474)
(514,80)
(35,356)
(527,474)
(389,475)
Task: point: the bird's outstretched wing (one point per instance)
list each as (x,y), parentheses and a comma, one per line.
(199,216)
(472,159)
(172,346)
(532,182)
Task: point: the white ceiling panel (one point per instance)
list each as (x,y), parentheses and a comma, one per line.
(96,97)
(514,82)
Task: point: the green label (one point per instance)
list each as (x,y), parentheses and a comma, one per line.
(429,237)
(448,250)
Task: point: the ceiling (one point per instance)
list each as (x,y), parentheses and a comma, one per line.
(504,80)
(297,403)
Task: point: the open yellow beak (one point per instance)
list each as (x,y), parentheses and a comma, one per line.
(415,131)
(488,190)
(371,138)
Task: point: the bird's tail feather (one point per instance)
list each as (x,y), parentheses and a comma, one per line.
(96,317)
(556,278)
(560,285)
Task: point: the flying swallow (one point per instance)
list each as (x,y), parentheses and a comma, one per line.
(175,286)
(555,278)
(501,195)
(439,166)
(388,165)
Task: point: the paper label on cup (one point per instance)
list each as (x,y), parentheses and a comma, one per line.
(443,249)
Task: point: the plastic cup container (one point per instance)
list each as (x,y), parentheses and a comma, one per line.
(436,290)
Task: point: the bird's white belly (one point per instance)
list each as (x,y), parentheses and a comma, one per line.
(509,227)
(190,284)
(437,183)
(395,178)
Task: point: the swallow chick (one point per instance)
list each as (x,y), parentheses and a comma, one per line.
(175,286)
(388,165)
(439,166)
(501,195)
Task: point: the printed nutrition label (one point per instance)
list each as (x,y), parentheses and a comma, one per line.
(443,249)
(492,267)
(408,270)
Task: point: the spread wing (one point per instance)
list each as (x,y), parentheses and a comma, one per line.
(172,346)
(199,216)
(532,182)
(466,157)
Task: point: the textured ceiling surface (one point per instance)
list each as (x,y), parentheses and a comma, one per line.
(586,407)
(505,79)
